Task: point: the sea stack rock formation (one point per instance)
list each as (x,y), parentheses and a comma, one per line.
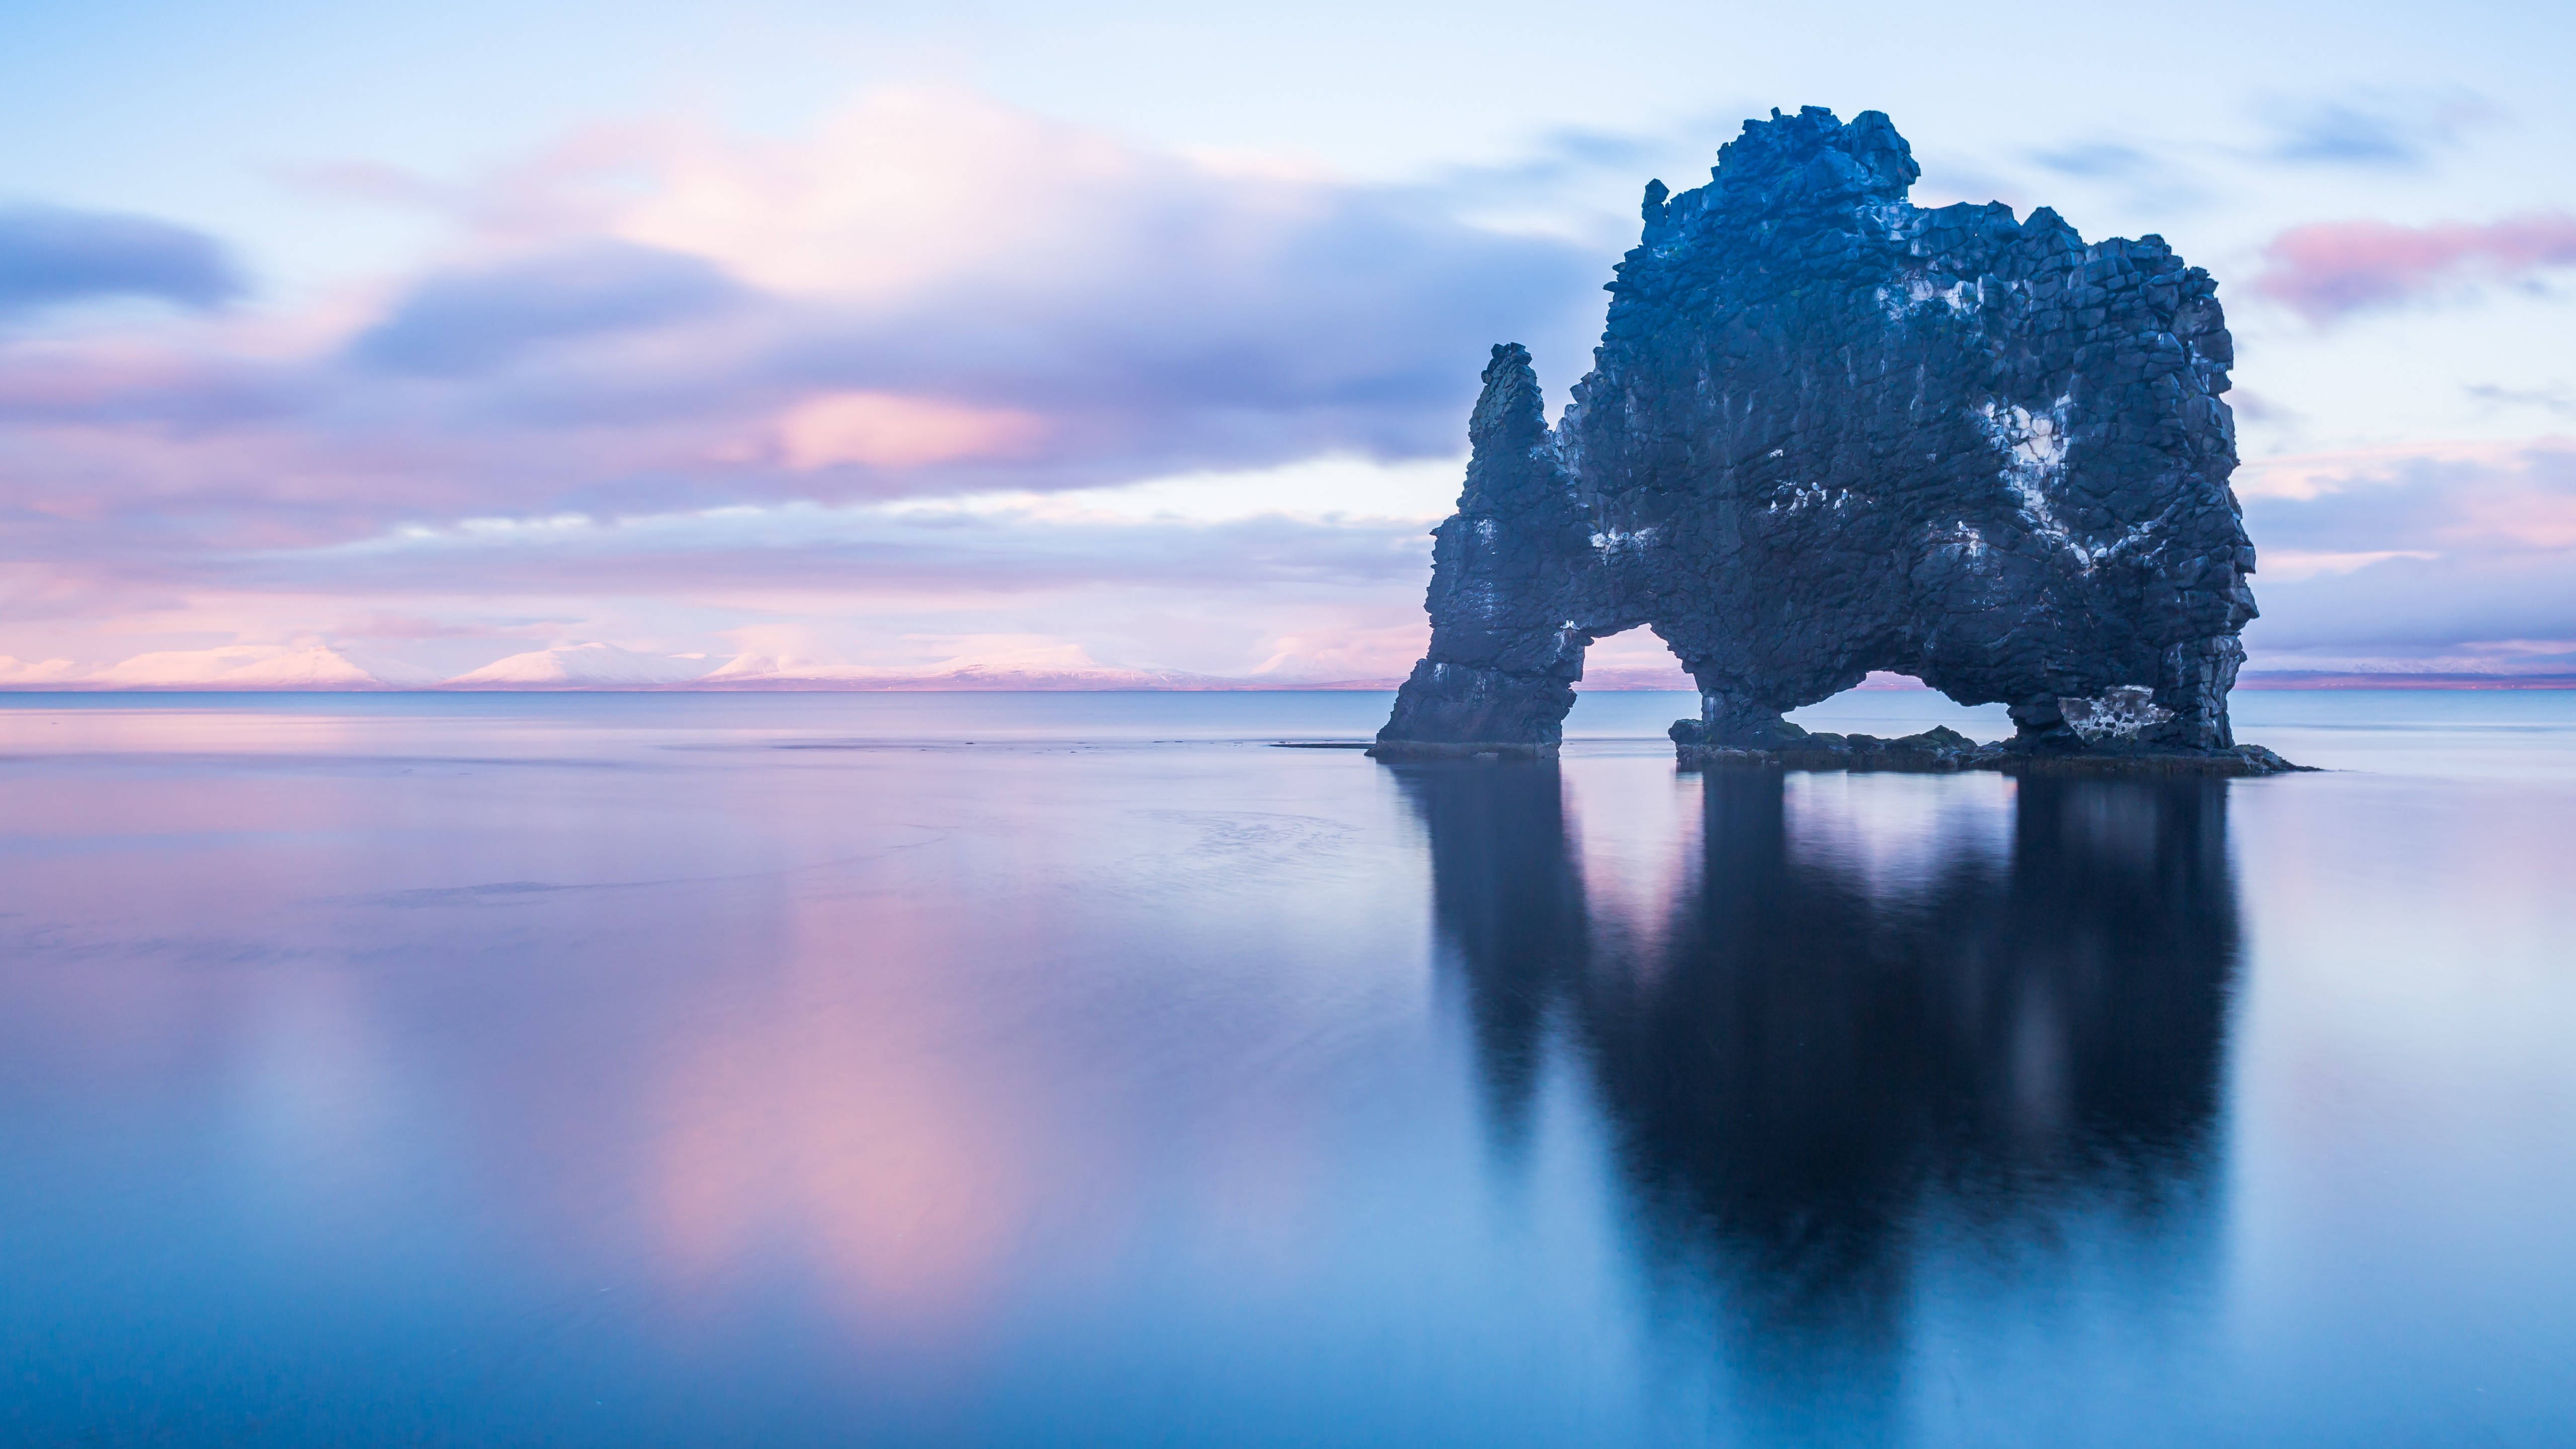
(1828,432)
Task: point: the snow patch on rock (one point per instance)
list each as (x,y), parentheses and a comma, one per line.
(2122,712)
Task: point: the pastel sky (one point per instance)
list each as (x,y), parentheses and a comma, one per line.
(877,335)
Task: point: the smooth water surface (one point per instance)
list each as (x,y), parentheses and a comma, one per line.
(762,1070)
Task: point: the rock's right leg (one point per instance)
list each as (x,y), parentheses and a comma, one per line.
(2198,676)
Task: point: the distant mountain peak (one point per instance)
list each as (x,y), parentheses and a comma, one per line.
(578,666)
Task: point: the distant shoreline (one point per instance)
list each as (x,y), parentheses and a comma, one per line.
(2323,679)
(2264,680)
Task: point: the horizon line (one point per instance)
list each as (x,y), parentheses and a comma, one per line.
(2258,680)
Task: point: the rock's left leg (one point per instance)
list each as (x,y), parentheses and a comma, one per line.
(2197,676)
(1463,709)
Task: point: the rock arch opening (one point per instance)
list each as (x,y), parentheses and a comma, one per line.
(1898,704)
(1632,687)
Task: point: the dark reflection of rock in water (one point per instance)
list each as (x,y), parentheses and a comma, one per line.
(1812,1081)
(1510,902)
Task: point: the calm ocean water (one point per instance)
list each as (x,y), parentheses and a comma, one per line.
(1037,1070)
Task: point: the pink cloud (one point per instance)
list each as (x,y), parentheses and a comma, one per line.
(886,431)
(2481,497)
(2463,553)
(2329,270)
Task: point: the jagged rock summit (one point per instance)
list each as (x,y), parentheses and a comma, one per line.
(1828,432)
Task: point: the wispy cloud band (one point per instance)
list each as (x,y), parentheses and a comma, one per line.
(2330,270)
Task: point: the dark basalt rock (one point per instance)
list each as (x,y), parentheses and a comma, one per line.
(1946,751)
(1829,432)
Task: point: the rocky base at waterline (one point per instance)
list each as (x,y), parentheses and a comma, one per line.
(1945,751)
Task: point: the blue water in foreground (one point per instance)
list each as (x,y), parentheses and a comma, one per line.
(785,1070)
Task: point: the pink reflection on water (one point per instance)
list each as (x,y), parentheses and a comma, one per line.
(845,1128)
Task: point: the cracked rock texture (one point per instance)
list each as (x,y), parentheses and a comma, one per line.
(1828,432)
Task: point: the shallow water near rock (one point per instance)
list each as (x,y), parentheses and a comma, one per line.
(938,1069)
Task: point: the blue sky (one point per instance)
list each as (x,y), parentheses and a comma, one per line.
(854,334)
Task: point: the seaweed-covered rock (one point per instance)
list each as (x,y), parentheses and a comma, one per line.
(1829,432)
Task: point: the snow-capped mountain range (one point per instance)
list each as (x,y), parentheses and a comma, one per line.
(233,666)
(601,666)
(583,666)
